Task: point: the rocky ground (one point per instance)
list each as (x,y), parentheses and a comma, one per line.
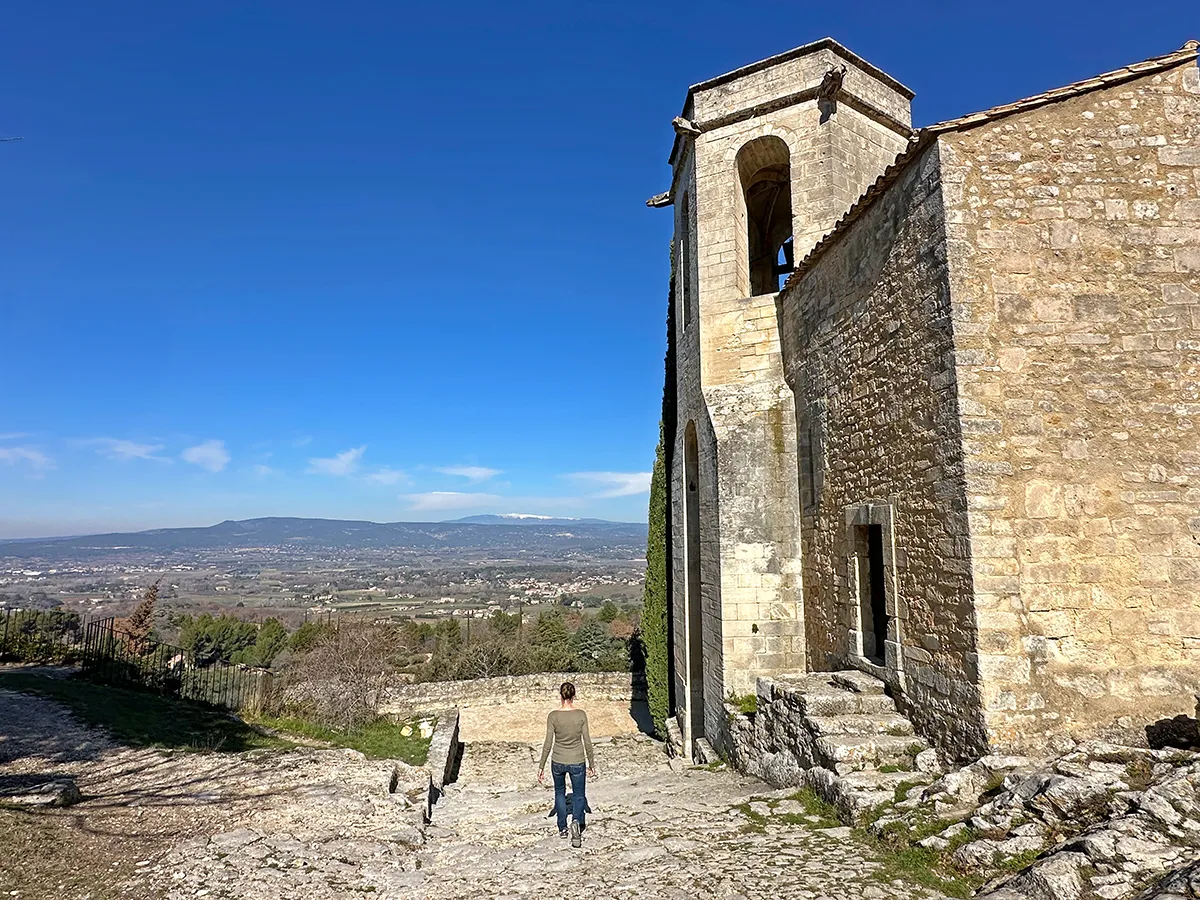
(1102,822)
(156,823)
(324,824)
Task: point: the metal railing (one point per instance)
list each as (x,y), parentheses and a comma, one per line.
(39,635)
(113,655)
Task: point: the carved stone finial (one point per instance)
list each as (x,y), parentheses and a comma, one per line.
(831,84)
(684,126)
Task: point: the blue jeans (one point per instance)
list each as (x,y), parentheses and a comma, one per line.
(578,773)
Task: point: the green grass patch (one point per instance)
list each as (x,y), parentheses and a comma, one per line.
(896,849)
(904,787)
(381,739)
(928,869)
(747,704)
(1018,862)
(142,719)
(816,805)
(1139,773)
(992,788)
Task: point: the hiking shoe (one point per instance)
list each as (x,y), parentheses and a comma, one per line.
(563,834)
(576,835)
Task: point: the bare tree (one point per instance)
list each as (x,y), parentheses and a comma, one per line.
(343,678)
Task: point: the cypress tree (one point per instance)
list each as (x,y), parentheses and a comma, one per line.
(654,599)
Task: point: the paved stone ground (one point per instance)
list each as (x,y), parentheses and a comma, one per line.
(657,830)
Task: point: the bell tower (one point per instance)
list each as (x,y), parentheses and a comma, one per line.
(765,160)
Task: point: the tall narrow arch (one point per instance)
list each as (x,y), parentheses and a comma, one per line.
(695,615)
(765,179)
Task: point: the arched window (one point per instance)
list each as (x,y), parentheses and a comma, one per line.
(764,172)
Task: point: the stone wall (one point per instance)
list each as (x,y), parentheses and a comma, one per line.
(1075,260)
(437,695)
(868,347)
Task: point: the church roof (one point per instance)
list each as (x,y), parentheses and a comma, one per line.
(826,43)
(921,138)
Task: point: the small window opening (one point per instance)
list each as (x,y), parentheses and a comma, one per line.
(875,624)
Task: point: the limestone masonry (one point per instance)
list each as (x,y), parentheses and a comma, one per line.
(957,450)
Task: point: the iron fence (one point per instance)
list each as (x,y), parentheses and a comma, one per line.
(39,635)
(112,655)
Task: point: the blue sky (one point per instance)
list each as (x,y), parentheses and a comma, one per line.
(390,260)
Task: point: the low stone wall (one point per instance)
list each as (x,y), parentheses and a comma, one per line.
(437,695)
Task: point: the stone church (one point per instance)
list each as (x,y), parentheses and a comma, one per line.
(935,398)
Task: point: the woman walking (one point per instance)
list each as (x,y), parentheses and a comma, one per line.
(567,732)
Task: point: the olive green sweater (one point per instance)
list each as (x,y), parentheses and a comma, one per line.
(567,731)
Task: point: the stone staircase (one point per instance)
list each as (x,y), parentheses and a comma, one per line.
(855,725)
(837,732)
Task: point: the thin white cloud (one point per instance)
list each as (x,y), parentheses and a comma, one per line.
(210,456)
(344,463)
(615,484)
(440,501)
(471,473)
(13,435)
(38,460)
(263,471)
(302,441)
(388,476)
(124,451)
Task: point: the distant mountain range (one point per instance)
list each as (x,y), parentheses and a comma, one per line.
(498,534)
(527,519)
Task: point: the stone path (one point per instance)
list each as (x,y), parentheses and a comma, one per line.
(658,830)
(322,824)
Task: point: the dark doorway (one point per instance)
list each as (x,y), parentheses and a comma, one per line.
(878,607)
(695,619)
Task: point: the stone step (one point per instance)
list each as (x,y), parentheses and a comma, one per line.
(849,753)
(890,724)
(817,695)
(836,702)
(857,682)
